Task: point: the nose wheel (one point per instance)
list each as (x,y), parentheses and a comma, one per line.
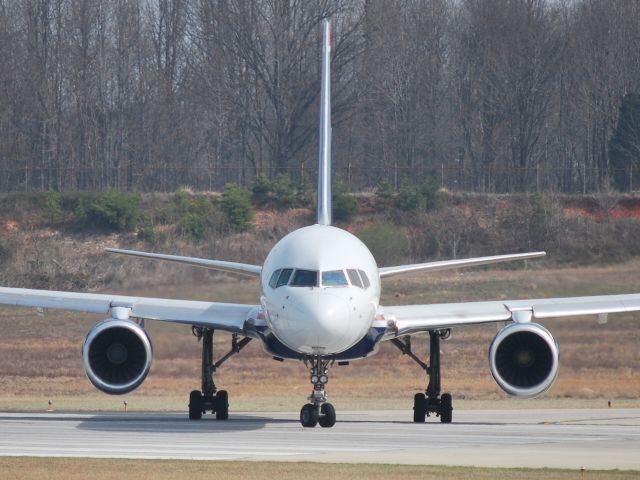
(327,415)
(318,411)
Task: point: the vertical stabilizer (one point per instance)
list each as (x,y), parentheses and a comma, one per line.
(324,170)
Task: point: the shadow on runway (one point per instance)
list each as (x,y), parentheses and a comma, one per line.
(180,423)
(239,423)
(175,424)
(145,422)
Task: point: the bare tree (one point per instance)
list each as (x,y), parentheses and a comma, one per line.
(510,95)
(506,68)
(605,60)
(276,46)
(404,76)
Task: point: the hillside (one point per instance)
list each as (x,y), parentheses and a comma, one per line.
(51,246)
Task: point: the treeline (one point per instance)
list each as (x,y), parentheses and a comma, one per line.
(486,95)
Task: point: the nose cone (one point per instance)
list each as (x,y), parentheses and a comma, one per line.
(318,323)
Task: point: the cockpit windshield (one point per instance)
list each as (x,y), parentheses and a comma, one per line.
(355,278)
(284,277)
(309,278)
(274,278)
(365,279)
(334,278)
(304,278)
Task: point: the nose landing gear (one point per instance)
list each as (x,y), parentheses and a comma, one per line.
(318,411)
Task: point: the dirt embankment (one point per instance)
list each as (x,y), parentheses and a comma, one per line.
(40,251)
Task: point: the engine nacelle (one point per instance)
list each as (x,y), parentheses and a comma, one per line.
(524,359)
(117,356)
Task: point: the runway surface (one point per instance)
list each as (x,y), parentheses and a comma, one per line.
(593,439)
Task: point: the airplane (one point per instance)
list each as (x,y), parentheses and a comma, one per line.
(320,304)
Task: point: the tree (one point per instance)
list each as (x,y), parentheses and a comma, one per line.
(158,94)
(236,205)
(512,48)
(603,42)
(404,76)
(274,51)
(624,147)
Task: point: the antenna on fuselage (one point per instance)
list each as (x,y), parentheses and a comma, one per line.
(324,168)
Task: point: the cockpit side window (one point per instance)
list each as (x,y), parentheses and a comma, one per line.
(365,279)
(354,278)
(305,278)
(274,278)
(283,279)
(334,278)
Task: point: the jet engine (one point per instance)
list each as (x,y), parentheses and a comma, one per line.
(524,359)
(117,356)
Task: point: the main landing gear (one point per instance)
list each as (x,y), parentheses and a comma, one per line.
(318,411)
(431,401)
(211,399)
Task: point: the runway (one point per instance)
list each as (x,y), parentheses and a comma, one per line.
(593,439)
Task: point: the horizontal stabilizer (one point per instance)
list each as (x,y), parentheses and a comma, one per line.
(450,264)
(231,267)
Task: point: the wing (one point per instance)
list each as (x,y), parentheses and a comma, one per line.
(408,319)
(232,267)
(450,264)
(224,316)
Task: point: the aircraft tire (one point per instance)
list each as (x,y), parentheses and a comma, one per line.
(222,405)
(309,416)
(195,405)
(327,415)
(446,408)
(419,408)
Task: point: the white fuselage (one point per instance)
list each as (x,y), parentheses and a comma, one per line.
(328,313)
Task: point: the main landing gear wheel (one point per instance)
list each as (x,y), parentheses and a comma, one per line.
(431,401)
(446,408)
(222,405)
(195,405)
(309,416)
(419,408)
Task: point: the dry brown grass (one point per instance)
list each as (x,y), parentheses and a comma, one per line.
(102,469)
(40,357)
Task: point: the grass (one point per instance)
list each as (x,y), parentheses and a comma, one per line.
(97,402)
(100,469)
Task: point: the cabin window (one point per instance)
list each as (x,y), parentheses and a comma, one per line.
(284,277)
(365,279)
(334,278)
(274,278)
(305,278)
(354,278)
